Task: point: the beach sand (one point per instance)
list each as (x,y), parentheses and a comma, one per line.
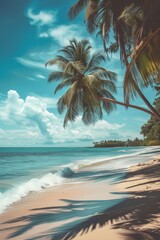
(84,211)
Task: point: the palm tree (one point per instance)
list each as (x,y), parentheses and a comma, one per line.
(91,87)
(145,57)
(103,15)
(131,23)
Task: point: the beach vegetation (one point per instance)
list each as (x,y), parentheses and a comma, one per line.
(131,28)
(151,129)
(90,88)
(119,143)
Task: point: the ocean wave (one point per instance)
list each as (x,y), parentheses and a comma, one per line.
(53,178)
(33,185)
(89,162)
(66,172)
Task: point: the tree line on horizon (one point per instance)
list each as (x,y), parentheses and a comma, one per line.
(131,28)
(119,143)
(151,129)
(150,132)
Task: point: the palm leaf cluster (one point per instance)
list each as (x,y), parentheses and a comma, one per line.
(102,16)
(129,21)
(85,82)
(144,66)
(133,29)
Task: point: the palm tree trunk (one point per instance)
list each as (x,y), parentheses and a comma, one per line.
(153,110)
(127,105)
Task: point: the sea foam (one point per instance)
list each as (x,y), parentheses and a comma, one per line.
(33,185)
(56,178)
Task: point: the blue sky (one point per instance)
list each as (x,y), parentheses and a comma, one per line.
(32,32)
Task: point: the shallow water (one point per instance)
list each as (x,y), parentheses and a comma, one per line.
(25,170)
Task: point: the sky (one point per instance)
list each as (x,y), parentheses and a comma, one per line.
(31,33)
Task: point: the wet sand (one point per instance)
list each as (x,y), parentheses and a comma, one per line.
(89,210)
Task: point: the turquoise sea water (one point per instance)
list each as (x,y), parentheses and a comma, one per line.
(25,170)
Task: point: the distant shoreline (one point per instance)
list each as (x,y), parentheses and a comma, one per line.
(125,146)
(50,213)
(129,143)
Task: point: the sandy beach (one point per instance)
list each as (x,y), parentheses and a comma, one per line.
(80,120)
(126,208)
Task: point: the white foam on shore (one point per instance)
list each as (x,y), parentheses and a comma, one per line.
(33,185)
(89,162)
(54,179)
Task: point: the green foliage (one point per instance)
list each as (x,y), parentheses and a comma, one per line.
(85,82)
(133,29)
(153,143)
(131,22)
(117,143)
(151,129)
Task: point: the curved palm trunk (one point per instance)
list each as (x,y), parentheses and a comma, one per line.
(145,100)
(153,110)
(149,105)
(127,105)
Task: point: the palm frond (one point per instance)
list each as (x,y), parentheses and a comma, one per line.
(74,67)
(91,114)
(96,59)
(95,83)
(70,51)
(61,104)
(64,83)
(144,66)
(105,18)
(60,61)
(105,93)
(70,115)
(91,15)
(85,51)
(77,8)
(101,72)
(108,106)
(86,88)
(107,84)
(132,16)
(55,76)
(113,48)
(72,104)
(130,92)
(92,110)
(77,51)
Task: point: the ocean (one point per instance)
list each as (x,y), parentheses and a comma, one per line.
(26,170)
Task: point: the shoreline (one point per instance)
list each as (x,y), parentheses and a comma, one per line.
(49,213)
(53,178)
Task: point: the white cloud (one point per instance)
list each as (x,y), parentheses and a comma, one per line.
(63,33)
(40,76)
(42,18)
(43,35)
(35,122)
(44,54)
(49,101)
(1,132)
(20,137)
(45,21)
(36,65)
(140,119)
(29,63)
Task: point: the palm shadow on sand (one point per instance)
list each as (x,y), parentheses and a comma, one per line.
(82,216)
